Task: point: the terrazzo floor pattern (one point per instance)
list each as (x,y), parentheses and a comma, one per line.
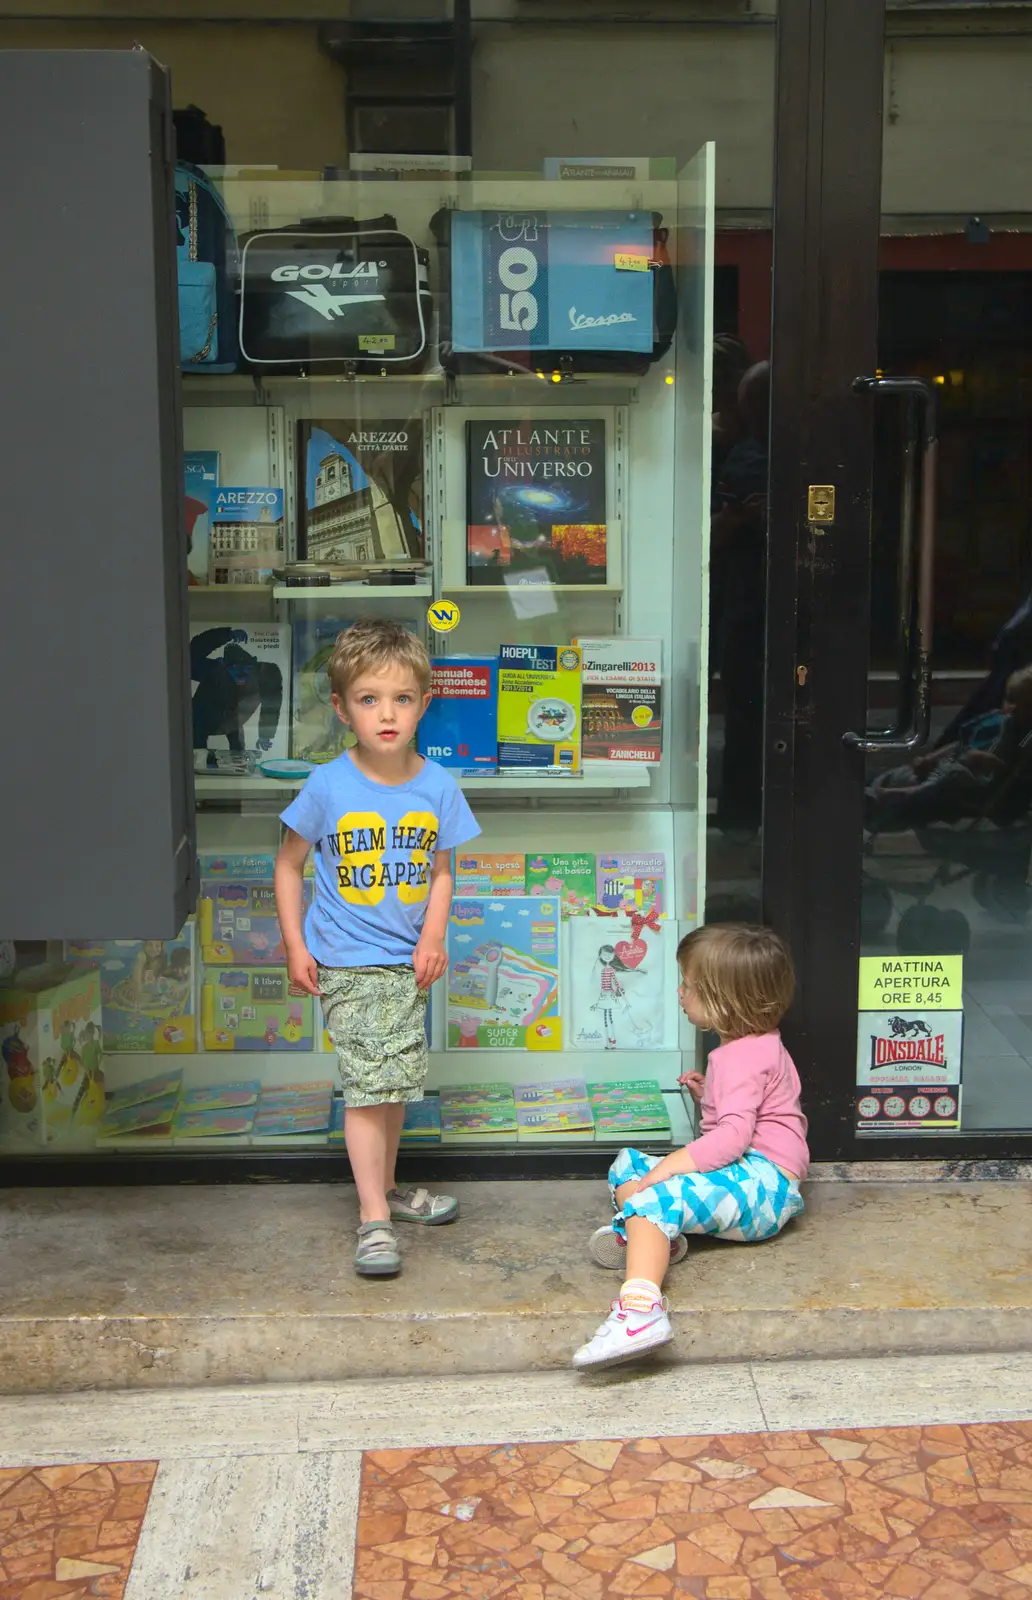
(775,1481)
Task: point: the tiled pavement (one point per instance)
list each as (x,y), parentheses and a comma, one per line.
(680,1483)
(70,1532)
(936,1513)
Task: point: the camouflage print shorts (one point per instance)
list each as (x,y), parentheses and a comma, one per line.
(376,1018)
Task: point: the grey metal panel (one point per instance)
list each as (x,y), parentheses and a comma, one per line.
(96,788)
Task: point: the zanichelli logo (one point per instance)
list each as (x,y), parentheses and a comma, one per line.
(579,320)
(328,305)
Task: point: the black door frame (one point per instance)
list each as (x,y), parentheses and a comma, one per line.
(827,223)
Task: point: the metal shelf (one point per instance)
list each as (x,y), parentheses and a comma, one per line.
(352,591)
(595,775)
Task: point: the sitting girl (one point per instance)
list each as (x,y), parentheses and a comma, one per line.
(740,1178)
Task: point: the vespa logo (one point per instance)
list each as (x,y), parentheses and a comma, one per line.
(317,296)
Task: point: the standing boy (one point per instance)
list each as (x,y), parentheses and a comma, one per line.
(383,821)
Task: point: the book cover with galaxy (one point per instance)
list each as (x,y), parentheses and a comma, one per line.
(361,490)
(536,507)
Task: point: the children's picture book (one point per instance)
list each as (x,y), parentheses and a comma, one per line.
(241,693)
(224,1123)
(539,708)
(628,1106)
(317,733)
(477,874)
(623,699)
(536,501)
(147,991)
(144,1090)
(51,1053)
(503,979)
(471,1112)
(237,922)
(257,865)
(337,1114)
(200,479)
(287,1110)
(254,1008)
(459,728)
(622,979)
(360,490)
(422,1124)
(632,883)
(571,877)
(553,1110)
(153,1117)
(221,1096)
(247,540)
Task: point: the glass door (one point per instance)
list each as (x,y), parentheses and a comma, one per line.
(898,763)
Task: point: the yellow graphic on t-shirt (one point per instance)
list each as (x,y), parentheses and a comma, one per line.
(358,847)
(420,827)
(359,844)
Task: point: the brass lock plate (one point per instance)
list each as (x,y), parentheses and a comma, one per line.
(820,503)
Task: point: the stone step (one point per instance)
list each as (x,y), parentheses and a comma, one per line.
(125,1288)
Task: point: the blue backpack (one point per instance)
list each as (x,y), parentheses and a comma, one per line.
(208,266)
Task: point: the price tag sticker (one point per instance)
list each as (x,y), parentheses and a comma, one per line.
(376,343)
(625,263)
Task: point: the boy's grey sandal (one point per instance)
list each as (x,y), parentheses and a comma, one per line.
(419,1205)
(608,1250)
(376,1255)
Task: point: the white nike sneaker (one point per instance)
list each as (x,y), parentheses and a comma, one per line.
(626,1335)
(607,1249)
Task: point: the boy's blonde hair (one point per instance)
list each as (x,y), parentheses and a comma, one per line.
(742,976)
(370,646)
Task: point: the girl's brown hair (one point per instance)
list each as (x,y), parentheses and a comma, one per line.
(742,975)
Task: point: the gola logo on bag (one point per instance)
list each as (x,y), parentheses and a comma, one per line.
(290,272)
(318,298)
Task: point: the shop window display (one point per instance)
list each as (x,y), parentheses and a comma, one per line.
(482,414)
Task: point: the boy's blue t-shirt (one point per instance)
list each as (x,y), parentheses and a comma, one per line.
(374,847)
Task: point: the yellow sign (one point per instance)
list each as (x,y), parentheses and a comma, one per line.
(443,616)
(376,343)
(631,263)
(911,983)
(641,716)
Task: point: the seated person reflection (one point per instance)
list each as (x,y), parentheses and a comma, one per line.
(958,779)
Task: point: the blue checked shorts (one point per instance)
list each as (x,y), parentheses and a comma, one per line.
(748,1201)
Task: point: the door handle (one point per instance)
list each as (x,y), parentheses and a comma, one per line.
(914,703)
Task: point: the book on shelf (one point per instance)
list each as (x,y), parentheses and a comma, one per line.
(571,876)
(200,478)
(503,978)
(247,538)
(539,708)
(360,494)
(152,1118)
(221,1096)
(620,990)
(422,1124)
(622,699)
(289,1111)
(536,501)
(317,733)
(478,874)
(226,1123)
(254,1009)
(237,921)
(632,883)
(147,992)
(628,1106)
(553,1110)
(459,728)
(472,1112)
(241,694)
(143,1092)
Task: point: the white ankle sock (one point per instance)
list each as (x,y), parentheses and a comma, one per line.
(639,1294)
